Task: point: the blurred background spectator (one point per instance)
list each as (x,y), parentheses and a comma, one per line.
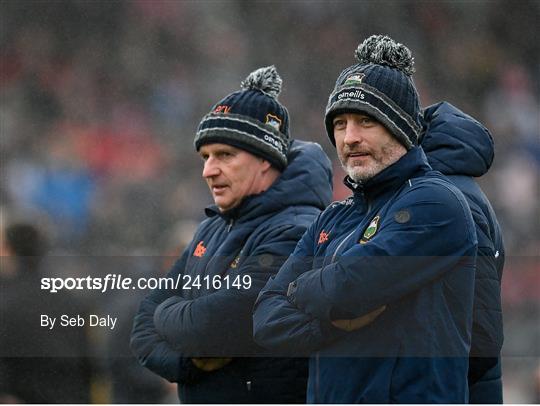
(37,365)
(99,102)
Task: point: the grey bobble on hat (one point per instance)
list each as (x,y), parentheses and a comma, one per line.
(251,119)
(379,85)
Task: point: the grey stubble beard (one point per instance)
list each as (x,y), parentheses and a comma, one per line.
(390,154)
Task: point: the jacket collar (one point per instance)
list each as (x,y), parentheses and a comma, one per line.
(248,204)
(412,164)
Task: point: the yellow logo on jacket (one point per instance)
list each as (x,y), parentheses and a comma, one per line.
(371,230)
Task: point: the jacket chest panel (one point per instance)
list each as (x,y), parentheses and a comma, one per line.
(347,231)
(217,254)
(339,237)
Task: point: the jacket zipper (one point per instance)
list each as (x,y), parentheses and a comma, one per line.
(317,354)
(367,201)
(231,223)
(346,238)
(340,244)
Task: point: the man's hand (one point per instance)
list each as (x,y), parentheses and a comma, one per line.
(210,364)
(359,322)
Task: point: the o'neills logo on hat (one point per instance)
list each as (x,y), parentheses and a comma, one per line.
(274,142)
(351,94)
(355,79)
(274,121)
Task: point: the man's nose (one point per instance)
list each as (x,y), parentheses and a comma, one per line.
(353,134)
(210,168)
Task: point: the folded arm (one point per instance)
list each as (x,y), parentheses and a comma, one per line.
(219,324)
(277,323)
(401,258)
(150,348)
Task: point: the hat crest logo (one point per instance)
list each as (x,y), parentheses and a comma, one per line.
(355,79)
(273,120)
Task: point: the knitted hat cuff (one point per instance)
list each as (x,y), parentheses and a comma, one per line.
(245,133)
(365,98)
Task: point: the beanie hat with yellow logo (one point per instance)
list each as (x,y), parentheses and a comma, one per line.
(251,119)
(379,85)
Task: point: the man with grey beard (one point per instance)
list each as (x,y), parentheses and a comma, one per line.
(379,290)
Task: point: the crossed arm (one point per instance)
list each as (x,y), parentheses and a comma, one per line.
(150,348)
(399,259)
(170,330)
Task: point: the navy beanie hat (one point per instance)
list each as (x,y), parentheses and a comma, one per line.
(381,86)
(251,119)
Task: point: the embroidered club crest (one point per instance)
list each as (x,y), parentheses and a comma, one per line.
(355,79)
(371,230)
(273,120)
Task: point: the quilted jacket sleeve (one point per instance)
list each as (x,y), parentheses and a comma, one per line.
(399,259)
(277,323)
(220,323)
(150,348)
(487,331)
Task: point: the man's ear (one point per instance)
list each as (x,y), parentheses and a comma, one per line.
(266,165)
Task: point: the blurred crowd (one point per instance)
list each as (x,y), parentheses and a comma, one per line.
(99,102)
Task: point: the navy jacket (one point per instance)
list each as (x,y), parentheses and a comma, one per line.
(247,244)
(462,148)
(405,239)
